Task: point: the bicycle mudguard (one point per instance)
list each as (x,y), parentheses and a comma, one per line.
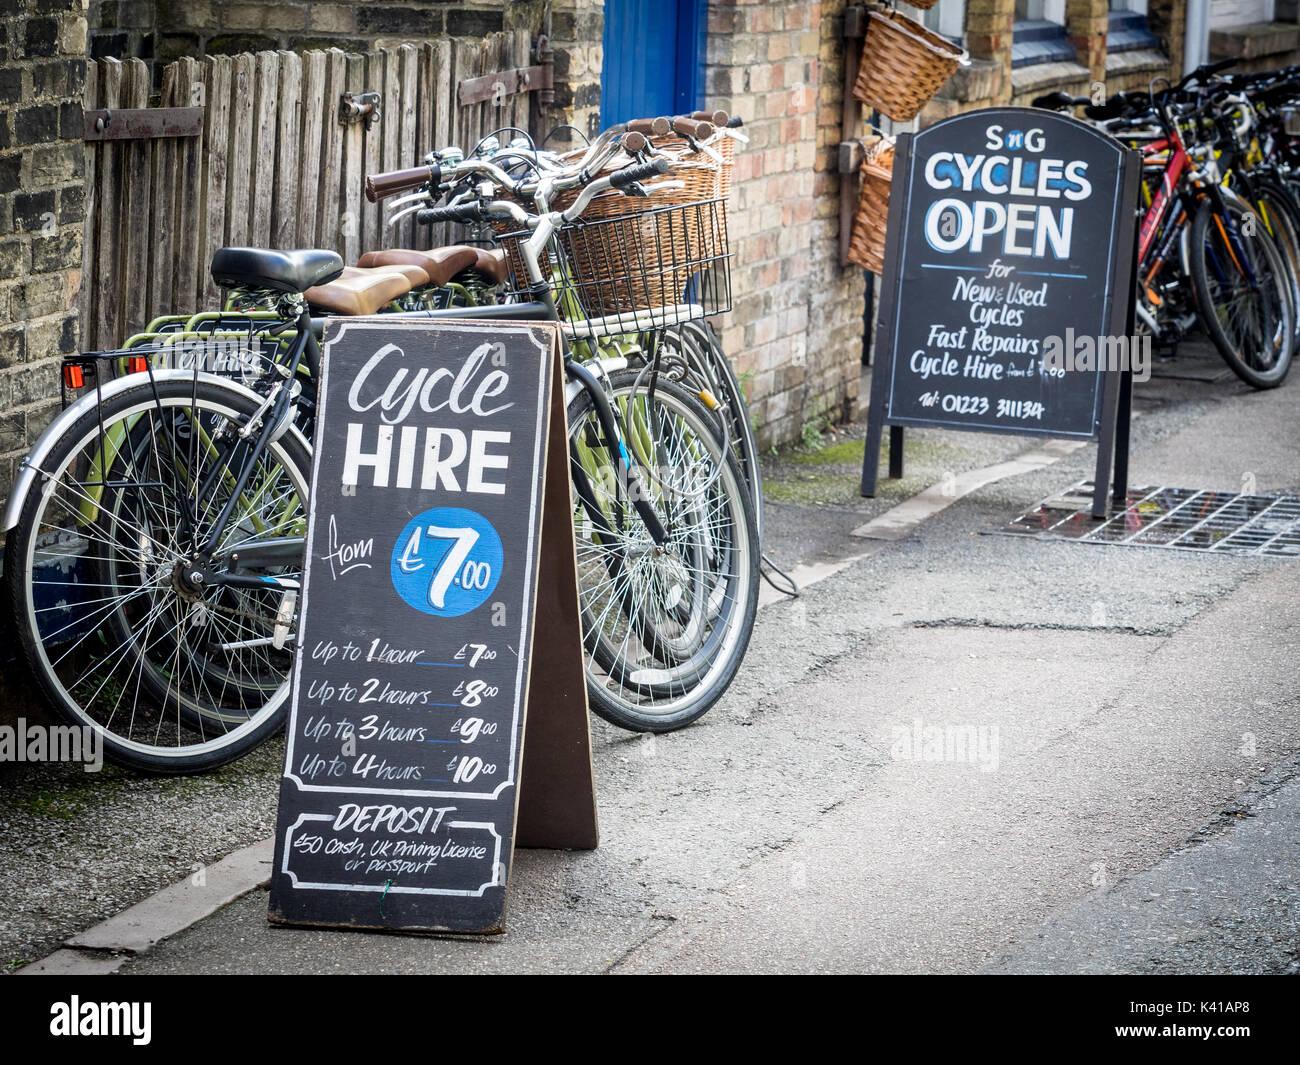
(29,469)
(606,367)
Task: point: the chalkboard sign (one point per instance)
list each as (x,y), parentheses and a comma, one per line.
(417,631)
(1009,249)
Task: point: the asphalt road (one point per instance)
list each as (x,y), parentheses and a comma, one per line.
(1131,806)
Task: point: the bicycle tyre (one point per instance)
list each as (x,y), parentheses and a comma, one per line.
(1277,207)
(1250,325)
(86,672)
(624,623)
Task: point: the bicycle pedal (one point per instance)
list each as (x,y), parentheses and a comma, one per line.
(284,617)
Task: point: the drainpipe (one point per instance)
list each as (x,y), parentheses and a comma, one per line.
(1196,37)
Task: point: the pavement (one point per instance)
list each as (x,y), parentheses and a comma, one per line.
(1130,801)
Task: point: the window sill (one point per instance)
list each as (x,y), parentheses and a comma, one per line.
(1140,62)
(1047,76)
(1252,42)
(981,80)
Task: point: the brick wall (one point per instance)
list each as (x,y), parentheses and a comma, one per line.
(42,71)
(795,333)
(577,28)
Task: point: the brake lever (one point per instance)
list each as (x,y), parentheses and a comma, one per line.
(395,218)
(409,199)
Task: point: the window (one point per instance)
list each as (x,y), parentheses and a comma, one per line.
(1127,30)
(1235,14)
(947,17)
(1041,11)
(1038,35)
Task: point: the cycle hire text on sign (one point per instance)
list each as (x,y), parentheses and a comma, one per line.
(1010,239)
(418,628)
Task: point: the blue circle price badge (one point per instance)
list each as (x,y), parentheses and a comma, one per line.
(447,561)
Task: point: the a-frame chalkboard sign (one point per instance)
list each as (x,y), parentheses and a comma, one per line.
(439,712)
(1008,289)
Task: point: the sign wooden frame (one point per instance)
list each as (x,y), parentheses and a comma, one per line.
(904,285)
(429,850)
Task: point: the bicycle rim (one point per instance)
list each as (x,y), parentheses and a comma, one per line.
(664,627)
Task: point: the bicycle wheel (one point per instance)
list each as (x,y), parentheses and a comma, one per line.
(1243,293)
(700,348)
(173,681)
(1276,207)
(664,626)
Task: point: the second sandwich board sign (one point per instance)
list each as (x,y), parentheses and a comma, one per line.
(438,692)
(1011,236)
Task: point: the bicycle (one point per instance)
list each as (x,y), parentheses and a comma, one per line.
(1199,236)
(175,494)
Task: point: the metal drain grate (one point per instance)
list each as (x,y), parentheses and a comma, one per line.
(1187,519)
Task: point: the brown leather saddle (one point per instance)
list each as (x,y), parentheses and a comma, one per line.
(442,264)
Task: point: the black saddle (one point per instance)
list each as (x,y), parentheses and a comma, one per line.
(274,271)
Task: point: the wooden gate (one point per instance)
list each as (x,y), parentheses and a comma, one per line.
(276,158)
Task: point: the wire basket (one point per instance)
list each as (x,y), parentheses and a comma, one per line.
(636,270)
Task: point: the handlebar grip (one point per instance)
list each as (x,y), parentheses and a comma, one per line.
(735,122)
(688,127)
(380,185)
(718,118)
(650,127)
(634,143)
(622,178)
(460,212)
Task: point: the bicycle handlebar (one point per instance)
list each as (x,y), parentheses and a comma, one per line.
(380,185)
(718,118)
(460,212)
(689,127)
(622,178)
(650,127)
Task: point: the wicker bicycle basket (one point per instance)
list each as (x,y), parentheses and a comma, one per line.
(903,65)
(867,244)
(670,260)
(721,144)
(693,178)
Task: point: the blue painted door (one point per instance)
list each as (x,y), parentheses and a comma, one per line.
(654,59)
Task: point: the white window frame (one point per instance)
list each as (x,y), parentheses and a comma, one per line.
(947,17)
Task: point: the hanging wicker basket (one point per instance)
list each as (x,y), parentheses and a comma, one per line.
(903,65)
(867,244)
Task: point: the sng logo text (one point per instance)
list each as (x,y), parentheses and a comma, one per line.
(75,1017)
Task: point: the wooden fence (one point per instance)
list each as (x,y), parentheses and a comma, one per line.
(273,166)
